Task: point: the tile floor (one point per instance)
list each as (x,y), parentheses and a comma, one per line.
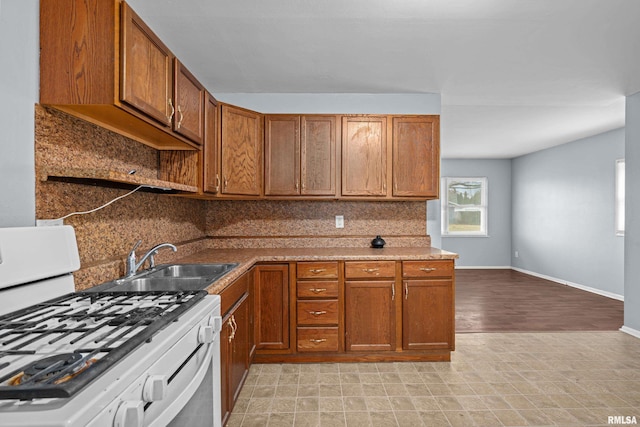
(494,379)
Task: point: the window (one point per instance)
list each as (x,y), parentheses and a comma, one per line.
(464,208)
(619,197)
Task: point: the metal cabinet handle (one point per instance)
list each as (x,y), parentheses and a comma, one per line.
(317,290)
(371,270)
(226,182)
(234,326)
(297,185)
(217,182)
(427,269)
(173,111)
(317,341)
(317,313)
(393,292)
(317,270)
(406,290)
(181,117)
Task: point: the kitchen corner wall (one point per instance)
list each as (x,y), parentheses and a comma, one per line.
(632,213)
(19,88)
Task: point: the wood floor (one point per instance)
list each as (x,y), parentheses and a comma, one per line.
(510,301)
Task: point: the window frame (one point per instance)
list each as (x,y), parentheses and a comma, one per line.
(619,203)
(483,207)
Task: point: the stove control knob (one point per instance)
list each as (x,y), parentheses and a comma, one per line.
(206,334)
(155,388)
(129,414)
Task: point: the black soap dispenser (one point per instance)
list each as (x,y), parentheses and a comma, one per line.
(378,242)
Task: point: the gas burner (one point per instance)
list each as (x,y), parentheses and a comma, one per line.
(42,370)
(144,315)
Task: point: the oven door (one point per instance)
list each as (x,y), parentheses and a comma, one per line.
(181,388)
(192,395)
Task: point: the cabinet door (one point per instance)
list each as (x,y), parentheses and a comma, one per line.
(211,148)
(370,315)
(225,368)
(427,315)
(364,156)
(189,104)
(282,155)
(241,142)
(416,156)
(318,156)
(271,299)
(146,78)
(240,343)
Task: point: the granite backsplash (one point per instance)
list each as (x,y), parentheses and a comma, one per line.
(105,237)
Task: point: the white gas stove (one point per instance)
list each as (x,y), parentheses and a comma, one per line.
(99,358)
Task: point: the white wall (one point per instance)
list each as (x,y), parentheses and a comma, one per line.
(632,215)
(19,89)
(335,103)
(494,250)
(563,213)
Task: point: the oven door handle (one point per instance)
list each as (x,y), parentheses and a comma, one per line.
(189,391)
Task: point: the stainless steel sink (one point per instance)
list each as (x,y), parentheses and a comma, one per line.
(170,277)
(191,270)
(162,284)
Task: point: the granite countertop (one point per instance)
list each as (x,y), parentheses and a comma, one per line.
(248,257)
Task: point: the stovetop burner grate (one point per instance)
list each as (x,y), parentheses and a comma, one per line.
(73,339)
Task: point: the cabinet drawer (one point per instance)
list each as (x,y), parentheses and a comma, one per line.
(368,270)
(318,312)
(427,268)
(232,293)
(318,339)
(317,289)
(314,270)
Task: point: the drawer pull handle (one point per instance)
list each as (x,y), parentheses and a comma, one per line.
(317,290)
(317,341)
(317,313)
(370,270)
(427,269)
(317,270)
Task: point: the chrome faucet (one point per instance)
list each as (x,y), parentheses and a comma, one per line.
(133,265)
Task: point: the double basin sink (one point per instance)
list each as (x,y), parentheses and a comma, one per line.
(171,277)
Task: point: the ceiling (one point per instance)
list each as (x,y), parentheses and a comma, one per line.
(515,76)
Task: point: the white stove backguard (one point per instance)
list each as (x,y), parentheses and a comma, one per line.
(36,264)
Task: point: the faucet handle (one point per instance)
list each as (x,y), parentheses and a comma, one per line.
(135,246)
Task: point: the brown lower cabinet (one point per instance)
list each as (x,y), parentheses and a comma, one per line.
(236,341)
(384,310)
(370,315)
(271,298)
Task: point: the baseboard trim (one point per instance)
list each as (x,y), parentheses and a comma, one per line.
(483,267)
(573,285)
(630,331)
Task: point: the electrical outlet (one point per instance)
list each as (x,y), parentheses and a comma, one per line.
(48,222)
(516,254)
(339,221)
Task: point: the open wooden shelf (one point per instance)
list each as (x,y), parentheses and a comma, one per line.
(109,178)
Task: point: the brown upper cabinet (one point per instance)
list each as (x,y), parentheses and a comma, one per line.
(416,156)
(100,62)
(145,68)
(364,156)
(300,155)
(190,104)
(241,145)
(211,147)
